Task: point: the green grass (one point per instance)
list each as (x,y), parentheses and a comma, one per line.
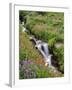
(51,23)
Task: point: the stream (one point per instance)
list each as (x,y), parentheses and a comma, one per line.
(42,48)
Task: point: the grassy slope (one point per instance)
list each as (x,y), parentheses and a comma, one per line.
(51,23)
(27,49)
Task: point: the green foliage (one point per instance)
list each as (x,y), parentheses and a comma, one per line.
(52,42)
(60,38)
(45,26)
(31,70)
(21,73)
(23,54)
(41,35)
(41,72)
(59,52)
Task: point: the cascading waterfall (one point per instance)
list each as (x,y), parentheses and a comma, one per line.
(42,47)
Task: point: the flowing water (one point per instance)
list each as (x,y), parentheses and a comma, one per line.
(43,48)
